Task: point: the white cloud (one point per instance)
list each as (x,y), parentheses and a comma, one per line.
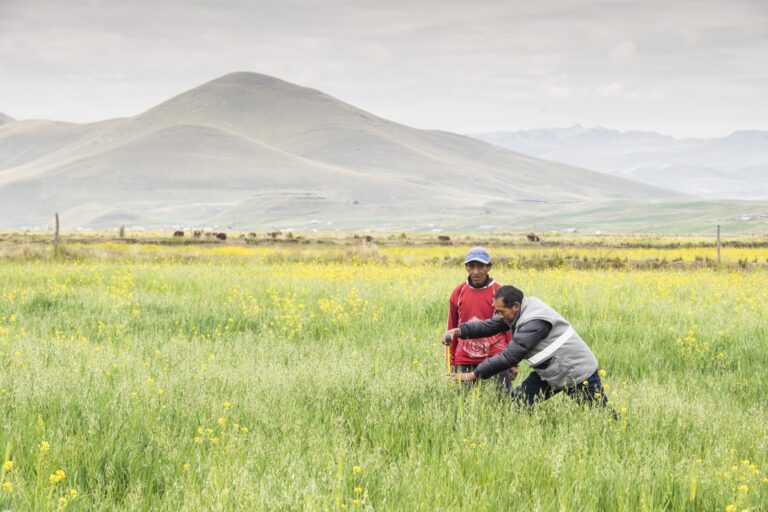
(623,51)
(558,91)
(610,90)
(432,63)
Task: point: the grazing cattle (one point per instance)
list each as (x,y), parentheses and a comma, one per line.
(532,237)
(221,236)
(197,234)
(275,234)
(251,235)
(368,238)
(178,234)
(444,238)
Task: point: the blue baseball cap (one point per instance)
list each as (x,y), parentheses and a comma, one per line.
(478,254)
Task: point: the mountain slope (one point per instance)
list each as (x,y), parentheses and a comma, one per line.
(223,147)
(734,167)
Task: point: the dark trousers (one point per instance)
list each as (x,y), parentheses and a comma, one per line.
(502,379)
(533,390)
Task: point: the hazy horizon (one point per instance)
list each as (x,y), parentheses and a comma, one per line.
(688,69)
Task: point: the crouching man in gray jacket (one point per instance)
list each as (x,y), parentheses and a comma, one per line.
(559,358)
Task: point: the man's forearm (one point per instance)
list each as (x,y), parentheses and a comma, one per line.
(496,364)
(526,338)
(483,328)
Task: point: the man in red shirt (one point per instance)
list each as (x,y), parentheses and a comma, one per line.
(473,300)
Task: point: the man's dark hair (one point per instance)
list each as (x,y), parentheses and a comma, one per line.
(508,295)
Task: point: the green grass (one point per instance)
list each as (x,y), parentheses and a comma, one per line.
(135,371)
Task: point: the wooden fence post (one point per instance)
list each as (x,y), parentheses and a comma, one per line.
(718,244)
(56,237)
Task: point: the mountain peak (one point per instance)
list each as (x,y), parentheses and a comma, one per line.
(250,79)
(240,91)
(257,106)
(4,119)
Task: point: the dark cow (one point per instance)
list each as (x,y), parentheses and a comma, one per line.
(221,236)
(178,234)
(197,234)
(532,237)
(444,238)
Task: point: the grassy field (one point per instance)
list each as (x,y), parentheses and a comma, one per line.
(310,377)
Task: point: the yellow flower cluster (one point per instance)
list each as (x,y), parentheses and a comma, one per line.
(742,478)
(690,346)
(121,287)
(289,320)
(246,304)
(57,477)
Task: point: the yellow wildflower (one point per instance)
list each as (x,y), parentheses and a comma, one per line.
(222,420)
(602,373)
(57,477)
(7,487)
(357,469)
(63,501)
(743,488)
(730,508)
(8,465)
(186,466)
(73,494)
(44,447)
(358,490)
(227,405)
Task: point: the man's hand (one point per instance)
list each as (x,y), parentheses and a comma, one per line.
(450,334)
(463,377)
(513,373)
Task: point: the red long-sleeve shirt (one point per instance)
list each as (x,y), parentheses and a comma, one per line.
(466,304)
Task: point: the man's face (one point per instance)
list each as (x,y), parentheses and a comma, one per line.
(507,314)
(478,272)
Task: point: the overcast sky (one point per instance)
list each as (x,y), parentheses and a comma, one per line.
(683,67)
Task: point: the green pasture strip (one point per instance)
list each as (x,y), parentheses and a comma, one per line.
(234,382)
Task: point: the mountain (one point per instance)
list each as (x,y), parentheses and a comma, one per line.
(251,150)
(733,167)
(4,119)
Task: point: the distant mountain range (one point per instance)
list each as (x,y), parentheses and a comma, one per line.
(252,151)
(733,167)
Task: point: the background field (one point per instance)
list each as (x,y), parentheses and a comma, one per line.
(310,376)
